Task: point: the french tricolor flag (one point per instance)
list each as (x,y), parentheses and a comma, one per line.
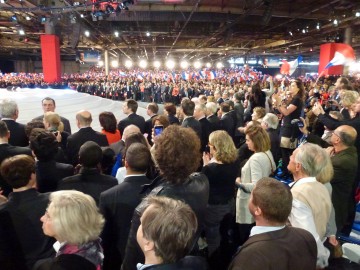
(289,68)
(185,76)
(342,56)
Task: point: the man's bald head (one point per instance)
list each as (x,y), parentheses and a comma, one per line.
(347,134)
(84,118)
(130,130)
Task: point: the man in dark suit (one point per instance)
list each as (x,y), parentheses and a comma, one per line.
(151,110)
(188,107)
(48,105)
(206,128)
(270,123)
(22,241)
(227,120)
(8,150)
(270,204)
(118,204)
(212,116)
(119,147)
(239,112)
(130,107)
(9,112)
(90,180)
(86,133)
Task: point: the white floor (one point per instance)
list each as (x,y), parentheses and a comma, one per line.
(68,103)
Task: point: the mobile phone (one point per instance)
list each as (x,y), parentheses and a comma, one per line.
(158,130)
(207,149)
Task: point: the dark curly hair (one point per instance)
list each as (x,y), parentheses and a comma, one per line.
(44,144)
(177,153)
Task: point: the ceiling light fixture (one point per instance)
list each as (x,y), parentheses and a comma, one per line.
(87,33)
(335,22)
(148,34)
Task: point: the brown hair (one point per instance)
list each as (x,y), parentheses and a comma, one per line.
(177,153)
(170,108)
(273,198)
(17,170)
(108,121)
(259,137)
(162,119)
(171,225)
(132,105)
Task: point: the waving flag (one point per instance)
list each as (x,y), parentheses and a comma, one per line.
(290,67)
(185,76)
(344,54)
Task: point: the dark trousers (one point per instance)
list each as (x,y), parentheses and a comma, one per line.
(285,155)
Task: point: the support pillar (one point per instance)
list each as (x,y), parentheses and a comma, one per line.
(106,62)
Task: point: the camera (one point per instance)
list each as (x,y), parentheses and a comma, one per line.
(299,123)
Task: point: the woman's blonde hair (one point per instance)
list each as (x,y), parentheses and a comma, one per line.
(348,98)
(75,217)
(54,121)
(224,146)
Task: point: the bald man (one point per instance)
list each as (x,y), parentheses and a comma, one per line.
(85,133)
(119,147)
(344,158)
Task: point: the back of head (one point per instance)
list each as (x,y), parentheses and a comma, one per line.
(153,107)
(271,120)
(108,121)
(260,111)
(132,105)
(273,198)
(44,144)
(212,107)
(75,217)
(17,170)
(90,154)
(171,225)
(188,107)
(177,153)
(54,120)
(136,137)
(225,150)
(170,108)
(33,124)
(138,157)
(4,131)
(347,135)
(8,108)
(225,107)
(164,121)
(315,162)
(84,118)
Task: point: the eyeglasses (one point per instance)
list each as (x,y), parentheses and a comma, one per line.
(337,135)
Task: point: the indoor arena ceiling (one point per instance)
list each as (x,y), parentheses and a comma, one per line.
(189,29)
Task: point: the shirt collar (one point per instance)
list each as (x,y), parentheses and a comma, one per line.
(264,229)
(303,181)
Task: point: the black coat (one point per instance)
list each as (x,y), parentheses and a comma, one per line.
(21,236)
(17,133)
(117,205)
(148,128)
(132,119)
(227,123)
(76,140)
(186,263)
(214,121)
(206,129)
(90,181)
(191,122)
(6,151)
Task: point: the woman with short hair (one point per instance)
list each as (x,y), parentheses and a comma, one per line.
(221,167)
(73,219)
(108,123)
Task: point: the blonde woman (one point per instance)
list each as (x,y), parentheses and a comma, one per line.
(221,167)
(260,164)
(52,122)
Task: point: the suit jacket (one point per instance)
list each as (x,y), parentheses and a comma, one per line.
(148,128)
(17,133)
(239,112)
(76,140)
(21,237)
(132,119)
(173,119)
(275,144)
(118,147)
(191,122)
(117,205)
(214,121)
(227,123)
(206,129)
(6,151)
(67,126)
(285,249)
(50,173)
(90,181)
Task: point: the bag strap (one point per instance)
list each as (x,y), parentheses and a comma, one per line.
(272,169)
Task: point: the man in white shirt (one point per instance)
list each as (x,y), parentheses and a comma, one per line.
(311,201)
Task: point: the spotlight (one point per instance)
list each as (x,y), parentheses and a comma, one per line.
(170,64)
(148,34)
(82,15)
(357,14)
(157,64)
(303,31)
(87,33)
(290,33)
(335,22)
(197,64)
(28,18)
(143,64)
(21,32)
(128,63)
(318,26)
(114,63)
(101,63)
(184,64)
(219,65)
(208,65)
(116,34)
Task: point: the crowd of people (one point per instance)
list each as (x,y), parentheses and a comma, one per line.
(164,193)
